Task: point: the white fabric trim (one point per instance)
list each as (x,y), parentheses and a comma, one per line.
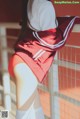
(68,26)
(38,54)
(65,35)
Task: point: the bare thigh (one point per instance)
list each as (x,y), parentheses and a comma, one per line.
(26,85)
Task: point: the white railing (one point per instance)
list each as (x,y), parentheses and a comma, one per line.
(53,82)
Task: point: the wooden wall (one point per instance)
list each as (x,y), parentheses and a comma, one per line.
(67,9)
(10,10)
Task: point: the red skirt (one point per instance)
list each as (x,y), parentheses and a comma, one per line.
(39,69)
(14,60)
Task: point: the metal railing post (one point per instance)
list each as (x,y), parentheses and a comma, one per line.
(5,75)
(54,87)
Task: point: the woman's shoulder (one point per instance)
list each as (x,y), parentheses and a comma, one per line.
(46,5)
(47,16)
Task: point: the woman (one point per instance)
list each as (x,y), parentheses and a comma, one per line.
(41,35)
(40,16)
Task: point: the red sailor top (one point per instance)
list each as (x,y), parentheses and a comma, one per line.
(39,47)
